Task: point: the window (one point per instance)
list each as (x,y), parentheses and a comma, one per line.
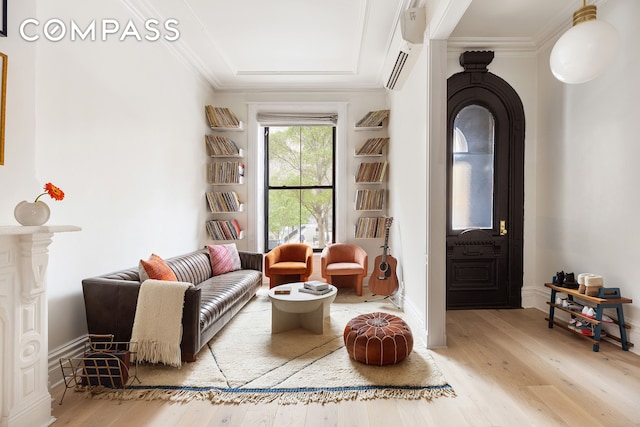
(299,185)
(472,179)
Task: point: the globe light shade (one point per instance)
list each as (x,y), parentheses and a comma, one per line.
(584,52)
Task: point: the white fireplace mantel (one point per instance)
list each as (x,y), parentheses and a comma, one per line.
(24,390)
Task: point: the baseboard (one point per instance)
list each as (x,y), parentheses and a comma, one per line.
(413,317)
(535,298)
(72,349)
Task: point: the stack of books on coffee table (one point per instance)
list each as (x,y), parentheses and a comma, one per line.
(315,287)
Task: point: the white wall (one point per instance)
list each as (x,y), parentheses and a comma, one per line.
(119,126)
(17,176)
(587,172)
(408,188)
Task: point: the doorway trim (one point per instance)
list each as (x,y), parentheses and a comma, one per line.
(476,75)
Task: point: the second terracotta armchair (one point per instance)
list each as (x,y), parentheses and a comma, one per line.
(344,264)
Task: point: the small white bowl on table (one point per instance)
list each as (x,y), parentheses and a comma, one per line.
(299,309)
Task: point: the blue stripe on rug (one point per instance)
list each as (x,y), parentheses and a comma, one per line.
(291,390)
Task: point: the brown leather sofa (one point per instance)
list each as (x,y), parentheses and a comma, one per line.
(110,300)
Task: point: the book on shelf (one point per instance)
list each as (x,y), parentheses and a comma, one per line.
(236,226)
(368,200)
(225,172)
(221,117)
(311,291)
(316,285)
(221,146)
(371,172)
(223,201)
(224,229)
(373,119)
(372,147)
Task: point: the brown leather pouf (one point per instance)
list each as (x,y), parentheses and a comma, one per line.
(378,339)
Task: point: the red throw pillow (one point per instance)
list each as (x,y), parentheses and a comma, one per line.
(156,268)
(224,258)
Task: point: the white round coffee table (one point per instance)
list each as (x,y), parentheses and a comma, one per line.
(299,309)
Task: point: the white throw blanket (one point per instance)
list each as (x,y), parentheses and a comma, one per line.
(157,326)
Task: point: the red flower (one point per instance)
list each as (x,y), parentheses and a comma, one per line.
(53,191)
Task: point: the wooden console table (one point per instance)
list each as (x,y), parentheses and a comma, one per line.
(607,298)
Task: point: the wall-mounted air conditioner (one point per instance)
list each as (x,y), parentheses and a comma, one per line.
(412,25)
(402,67)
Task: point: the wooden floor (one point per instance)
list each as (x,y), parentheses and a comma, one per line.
(506,366)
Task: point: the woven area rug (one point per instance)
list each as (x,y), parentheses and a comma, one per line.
(245,363)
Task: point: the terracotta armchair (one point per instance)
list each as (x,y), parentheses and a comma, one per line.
(288,263)
(344,264)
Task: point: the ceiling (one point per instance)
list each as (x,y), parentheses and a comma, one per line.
(521,24)
(335,44)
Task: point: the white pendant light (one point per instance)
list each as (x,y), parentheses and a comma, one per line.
(585,50)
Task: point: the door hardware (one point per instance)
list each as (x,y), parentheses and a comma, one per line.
(503,227)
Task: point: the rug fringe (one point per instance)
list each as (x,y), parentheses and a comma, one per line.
(280,397)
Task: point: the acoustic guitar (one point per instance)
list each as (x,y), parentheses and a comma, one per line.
(383,280)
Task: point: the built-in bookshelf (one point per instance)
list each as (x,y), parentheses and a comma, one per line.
(228,172)
(372,147)
(222,146)
(370,200)
(371,172)
(222,118)
(370,227)
(372,175)
(224,170)
(224,229)
(372,120)
(224,202)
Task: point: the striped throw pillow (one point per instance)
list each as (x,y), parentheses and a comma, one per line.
(224,258)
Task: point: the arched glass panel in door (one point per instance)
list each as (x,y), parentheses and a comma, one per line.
(473,169)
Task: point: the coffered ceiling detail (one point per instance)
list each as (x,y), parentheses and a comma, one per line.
(335,44)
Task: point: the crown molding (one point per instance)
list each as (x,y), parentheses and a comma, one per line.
(143,10)
(503,44)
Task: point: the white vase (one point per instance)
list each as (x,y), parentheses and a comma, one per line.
(28,213)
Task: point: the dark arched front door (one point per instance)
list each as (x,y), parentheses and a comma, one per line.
(485,188)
